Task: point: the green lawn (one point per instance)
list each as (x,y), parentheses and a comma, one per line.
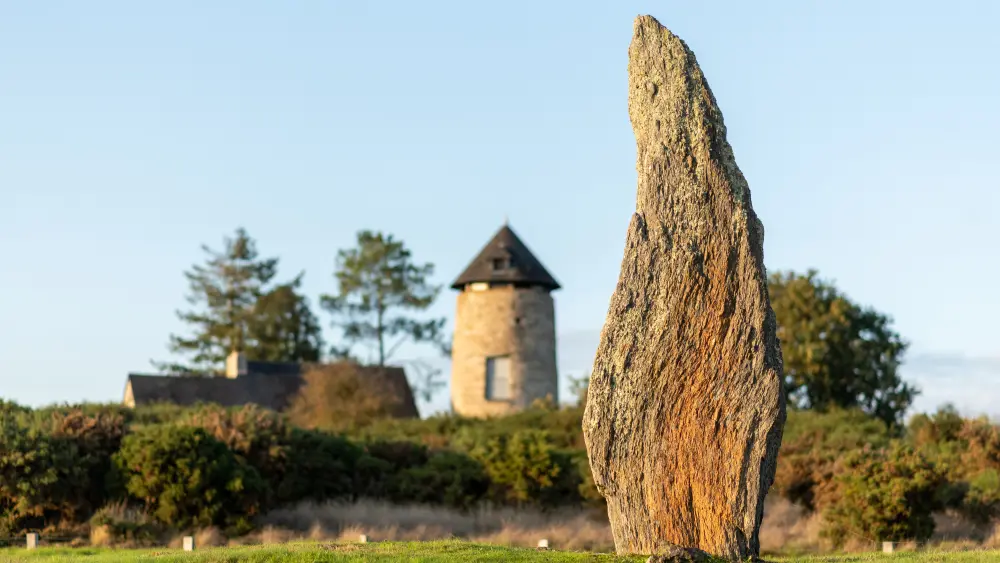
(443,551)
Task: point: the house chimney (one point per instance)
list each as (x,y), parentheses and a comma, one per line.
(236,364)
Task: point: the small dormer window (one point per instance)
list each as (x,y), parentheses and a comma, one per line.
(503,263)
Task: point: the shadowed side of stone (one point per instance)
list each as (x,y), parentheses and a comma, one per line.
(685,407)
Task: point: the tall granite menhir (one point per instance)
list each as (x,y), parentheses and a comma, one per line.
(685,408)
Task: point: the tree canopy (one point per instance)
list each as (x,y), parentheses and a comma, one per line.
(237,307)
(284,328)
(837,353)
(379,289)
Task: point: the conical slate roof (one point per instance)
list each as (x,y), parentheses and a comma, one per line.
(506,259)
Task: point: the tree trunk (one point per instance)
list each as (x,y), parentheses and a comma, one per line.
(381,333)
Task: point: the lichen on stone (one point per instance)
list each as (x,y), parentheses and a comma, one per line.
(685,410)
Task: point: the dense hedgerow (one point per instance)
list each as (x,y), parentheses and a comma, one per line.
(55,463)
(208,465)
(190,467)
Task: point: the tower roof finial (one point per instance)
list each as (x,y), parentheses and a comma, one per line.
(506,222)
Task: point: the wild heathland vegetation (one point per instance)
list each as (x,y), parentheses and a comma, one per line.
(118,476)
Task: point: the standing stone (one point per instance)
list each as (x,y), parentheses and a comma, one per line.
(685,407)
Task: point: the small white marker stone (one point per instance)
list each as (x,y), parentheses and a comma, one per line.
(32,540)
(188,543)
(887,547)
(363,538)
(543,544)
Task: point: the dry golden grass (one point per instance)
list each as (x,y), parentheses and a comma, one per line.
(121,525)
(574,530)
(100,536)
(787,529)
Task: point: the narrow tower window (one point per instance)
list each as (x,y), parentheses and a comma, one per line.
(498,378)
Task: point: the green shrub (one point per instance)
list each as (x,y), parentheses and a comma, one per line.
(588,489)
(258,436)
(563,427)
(408,472)
(372,478)
(38,475)
(382,465)
(931,430)
(525,469)
(435,432)
(295,464)
(400,455)
(446,478)
(884,494)
(530,458)
(813,442)
(319,467)
(10,408)
(980,497)
(967,453)
(186,478)
(94,433)
(158,413)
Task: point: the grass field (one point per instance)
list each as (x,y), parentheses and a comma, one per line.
(441,551)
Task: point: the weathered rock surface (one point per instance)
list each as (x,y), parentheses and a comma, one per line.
(685,409)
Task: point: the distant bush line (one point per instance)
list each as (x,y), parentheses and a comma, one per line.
(63,467)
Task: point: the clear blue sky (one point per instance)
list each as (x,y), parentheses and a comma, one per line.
(133,132)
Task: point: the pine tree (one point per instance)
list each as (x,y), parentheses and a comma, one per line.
(284,328)
(379,290)
(224,290)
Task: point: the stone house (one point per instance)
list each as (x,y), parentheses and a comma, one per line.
(269,384)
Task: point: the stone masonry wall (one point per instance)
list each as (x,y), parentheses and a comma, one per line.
(503,321)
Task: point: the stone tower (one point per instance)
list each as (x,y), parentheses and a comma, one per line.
(504,348)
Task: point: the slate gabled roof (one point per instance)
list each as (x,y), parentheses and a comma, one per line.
(271,385)
(506,259)
(273,368)
(272,392)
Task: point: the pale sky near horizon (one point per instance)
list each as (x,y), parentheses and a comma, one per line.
(132,133)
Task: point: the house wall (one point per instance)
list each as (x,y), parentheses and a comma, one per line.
(129,399)
(497,321)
